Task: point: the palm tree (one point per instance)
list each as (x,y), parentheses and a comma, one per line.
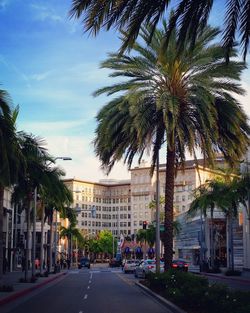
(35,156)
(71,232)
(225,194)
(183,99)
(9,159)
(54,196)
(130,15)
(207,198)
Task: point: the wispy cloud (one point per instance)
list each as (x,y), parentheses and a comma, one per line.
(4,4)
(43,13)
(84,164)
(41,76)
(15,69)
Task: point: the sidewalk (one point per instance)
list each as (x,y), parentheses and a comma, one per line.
(21,289)
(242,279)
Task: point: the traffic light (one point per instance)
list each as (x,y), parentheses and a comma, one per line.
(144,224)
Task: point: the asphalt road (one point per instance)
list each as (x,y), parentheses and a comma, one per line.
(88,291)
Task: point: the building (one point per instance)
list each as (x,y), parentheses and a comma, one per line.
(110,199)
(123,206)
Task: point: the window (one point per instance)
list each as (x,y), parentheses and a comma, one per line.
(183,198)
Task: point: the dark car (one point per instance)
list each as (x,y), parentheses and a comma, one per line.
(84,262)
(115,263)
(180,264)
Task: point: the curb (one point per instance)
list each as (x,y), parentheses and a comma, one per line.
(24,292)
(247,282)
(166,303)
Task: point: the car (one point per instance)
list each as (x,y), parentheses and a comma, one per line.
(129,266)
(180,264)
(146,266)
(115,263)
(84,262)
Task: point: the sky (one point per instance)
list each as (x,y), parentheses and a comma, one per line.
(51,68)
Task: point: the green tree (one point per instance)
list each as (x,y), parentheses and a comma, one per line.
(71,233)
(105,239)
(181,98)
(226,193)
(130,15)
(35,157)
(207,198)
(9,160)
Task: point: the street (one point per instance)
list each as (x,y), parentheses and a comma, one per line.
(98,290)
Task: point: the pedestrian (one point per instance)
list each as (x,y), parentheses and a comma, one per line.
(68,263)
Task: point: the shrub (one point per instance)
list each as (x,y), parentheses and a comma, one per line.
(193,293)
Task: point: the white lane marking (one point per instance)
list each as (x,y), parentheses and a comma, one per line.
(91,275)
(80,312)
(85,297)
(89,281)
(88,287)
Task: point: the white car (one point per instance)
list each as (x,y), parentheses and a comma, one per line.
(129,266)
(146,266)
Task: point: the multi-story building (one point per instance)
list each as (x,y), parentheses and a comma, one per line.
(110,199)
(123,206)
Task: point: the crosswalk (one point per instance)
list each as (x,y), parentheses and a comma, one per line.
(95,271)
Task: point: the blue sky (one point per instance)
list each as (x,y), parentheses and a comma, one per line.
(50,68)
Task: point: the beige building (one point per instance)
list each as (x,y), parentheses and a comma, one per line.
(109,199)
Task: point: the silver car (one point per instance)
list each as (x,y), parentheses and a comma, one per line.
(129,266)
(146,266)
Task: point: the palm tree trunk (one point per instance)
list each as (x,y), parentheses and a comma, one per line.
(212,238)
(1,231)
(42,241)
(169,198)
(230,256)
(51,243)
(27,248)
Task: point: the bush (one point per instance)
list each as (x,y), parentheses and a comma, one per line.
(6,288)
(193,293)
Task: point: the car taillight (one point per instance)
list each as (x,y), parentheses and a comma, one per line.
(174,265)
(151,266)
(185,265)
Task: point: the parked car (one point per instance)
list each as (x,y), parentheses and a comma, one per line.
(129,266)
(84,262)
(180,264)
(115,263)
(146,266)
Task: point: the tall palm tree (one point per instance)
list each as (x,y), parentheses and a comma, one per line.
(183,99)
(130,15)
(35,156)
(54,197)
(9,159)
